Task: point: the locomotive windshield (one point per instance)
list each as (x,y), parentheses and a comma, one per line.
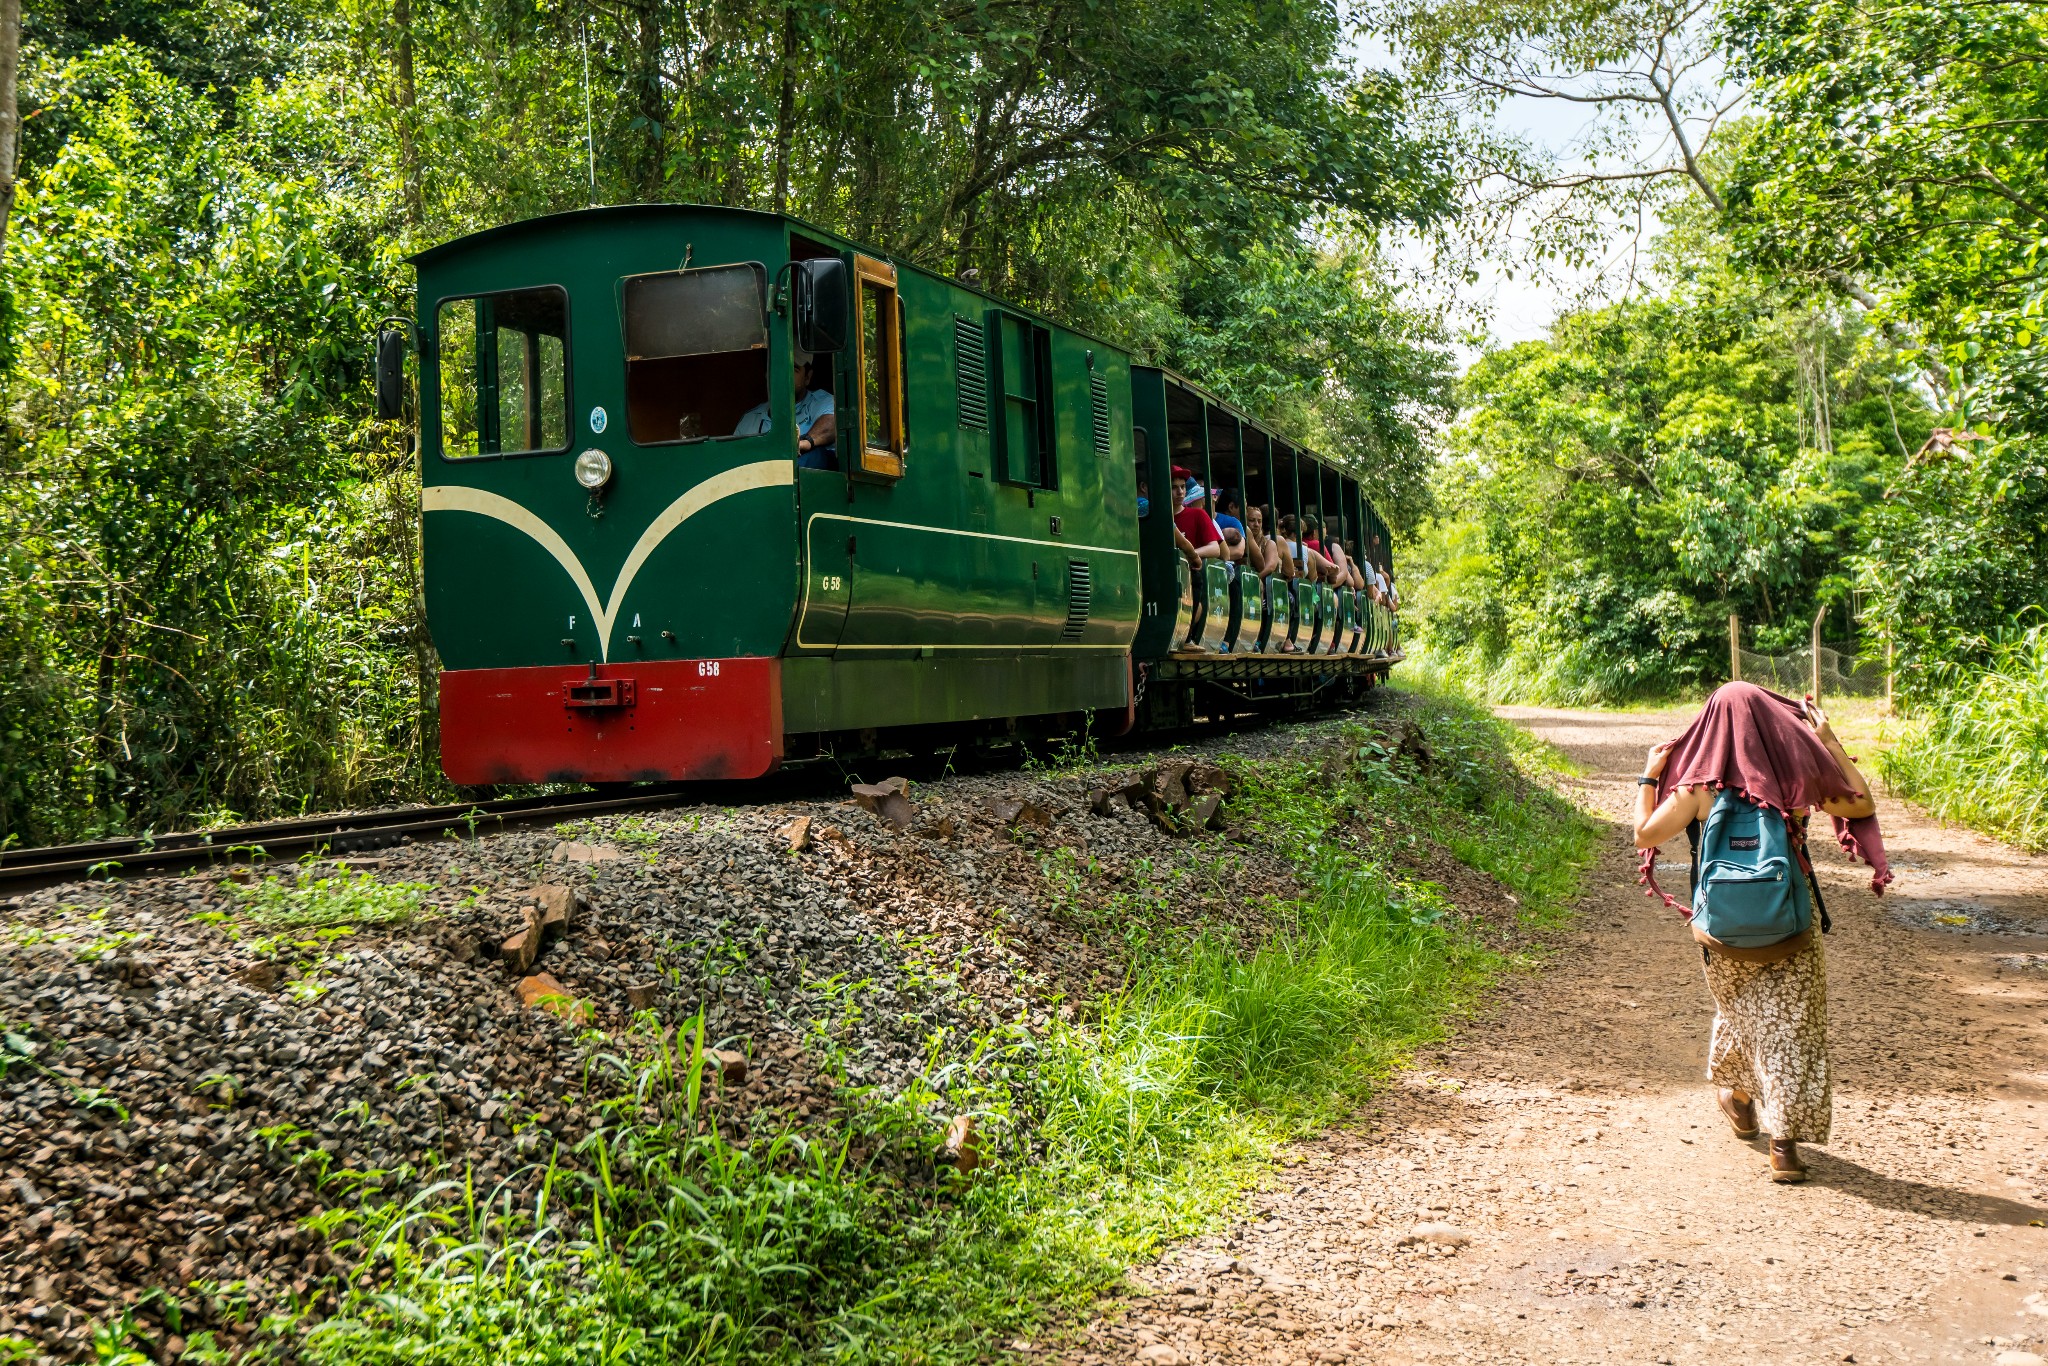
(504,372)
(696,351)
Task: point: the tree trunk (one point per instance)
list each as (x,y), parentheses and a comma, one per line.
(785,109)
(408,150)
(10,117)
(653,109)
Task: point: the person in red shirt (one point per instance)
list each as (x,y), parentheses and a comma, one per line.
(1194,529)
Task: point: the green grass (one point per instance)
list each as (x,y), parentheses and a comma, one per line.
(308,902)
(662,1240)
(1978,752)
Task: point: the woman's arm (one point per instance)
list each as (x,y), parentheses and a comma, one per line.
(1653,827)
(1855,808)
(1255,543)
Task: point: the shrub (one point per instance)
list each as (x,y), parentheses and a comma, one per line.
(1977,752)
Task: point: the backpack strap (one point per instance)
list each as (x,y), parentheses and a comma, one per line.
(1826,925)
(1692,871)
(1692,878)
(1820,906)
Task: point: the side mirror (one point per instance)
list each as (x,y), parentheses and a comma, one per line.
(821,304)
(390,374)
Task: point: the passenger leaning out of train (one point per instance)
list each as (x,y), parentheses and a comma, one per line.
(1359,570)
(1221,507)
(1194,531)
(1307,559)
(1347,571)
(817,427)
(1229,521)
(1285,562)
(1262,552)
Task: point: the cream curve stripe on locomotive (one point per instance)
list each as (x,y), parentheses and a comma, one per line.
(804,609)
(762,474)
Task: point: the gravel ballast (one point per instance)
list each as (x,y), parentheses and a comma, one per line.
(180,1074)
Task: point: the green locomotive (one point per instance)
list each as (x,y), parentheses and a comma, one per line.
(639,565)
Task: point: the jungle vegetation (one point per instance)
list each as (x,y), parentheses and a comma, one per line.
(208,593)
(1819,383)
(208,589)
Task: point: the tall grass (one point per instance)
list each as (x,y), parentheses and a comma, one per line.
(663,1240)
(1574,674)
(1978,753)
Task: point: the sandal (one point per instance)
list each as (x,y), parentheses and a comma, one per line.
(1785,1163)
(1741,1113)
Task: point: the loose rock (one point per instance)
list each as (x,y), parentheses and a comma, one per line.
(962,1151)
(574,851)
(888,799)
(1435,1235)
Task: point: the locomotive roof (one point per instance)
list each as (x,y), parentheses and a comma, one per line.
(522,226)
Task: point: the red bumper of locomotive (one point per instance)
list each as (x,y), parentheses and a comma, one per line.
(647,721)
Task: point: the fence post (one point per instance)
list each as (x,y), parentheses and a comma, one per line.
(1888,674)
(1817,618)
(1735,647)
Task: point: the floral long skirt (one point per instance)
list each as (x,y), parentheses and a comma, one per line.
(1770,1040)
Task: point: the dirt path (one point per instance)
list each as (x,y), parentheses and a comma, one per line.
(1611,1215)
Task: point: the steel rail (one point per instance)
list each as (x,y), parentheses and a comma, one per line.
(26,869)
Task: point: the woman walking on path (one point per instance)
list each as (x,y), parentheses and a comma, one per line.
(1779,758)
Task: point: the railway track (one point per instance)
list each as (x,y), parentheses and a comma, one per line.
(26,869)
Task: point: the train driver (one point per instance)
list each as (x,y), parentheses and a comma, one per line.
(817,428)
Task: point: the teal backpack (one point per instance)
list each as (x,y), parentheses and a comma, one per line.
(1748,889)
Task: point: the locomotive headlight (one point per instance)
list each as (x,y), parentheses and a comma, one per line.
(593,469)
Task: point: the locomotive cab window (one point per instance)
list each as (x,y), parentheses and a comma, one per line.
(503,372)
(878,363)
(696,354)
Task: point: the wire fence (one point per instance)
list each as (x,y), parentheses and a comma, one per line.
(1792,674)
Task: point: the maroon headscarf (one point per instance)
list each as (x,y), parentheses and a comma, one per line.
(1758,742)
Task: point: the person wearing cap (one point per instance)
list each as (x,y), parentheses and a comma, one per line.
(1195,531)
(817,428)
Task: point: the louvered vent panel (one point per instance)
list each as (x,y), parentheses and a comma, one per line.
(970,372)
(1098,404)
(1080,594)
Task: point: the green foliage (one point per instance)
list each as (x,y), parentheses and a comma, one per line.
(1957,554)
(1977,753)
(1615,491)
(309,902)
(1903,148)
(206,585)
